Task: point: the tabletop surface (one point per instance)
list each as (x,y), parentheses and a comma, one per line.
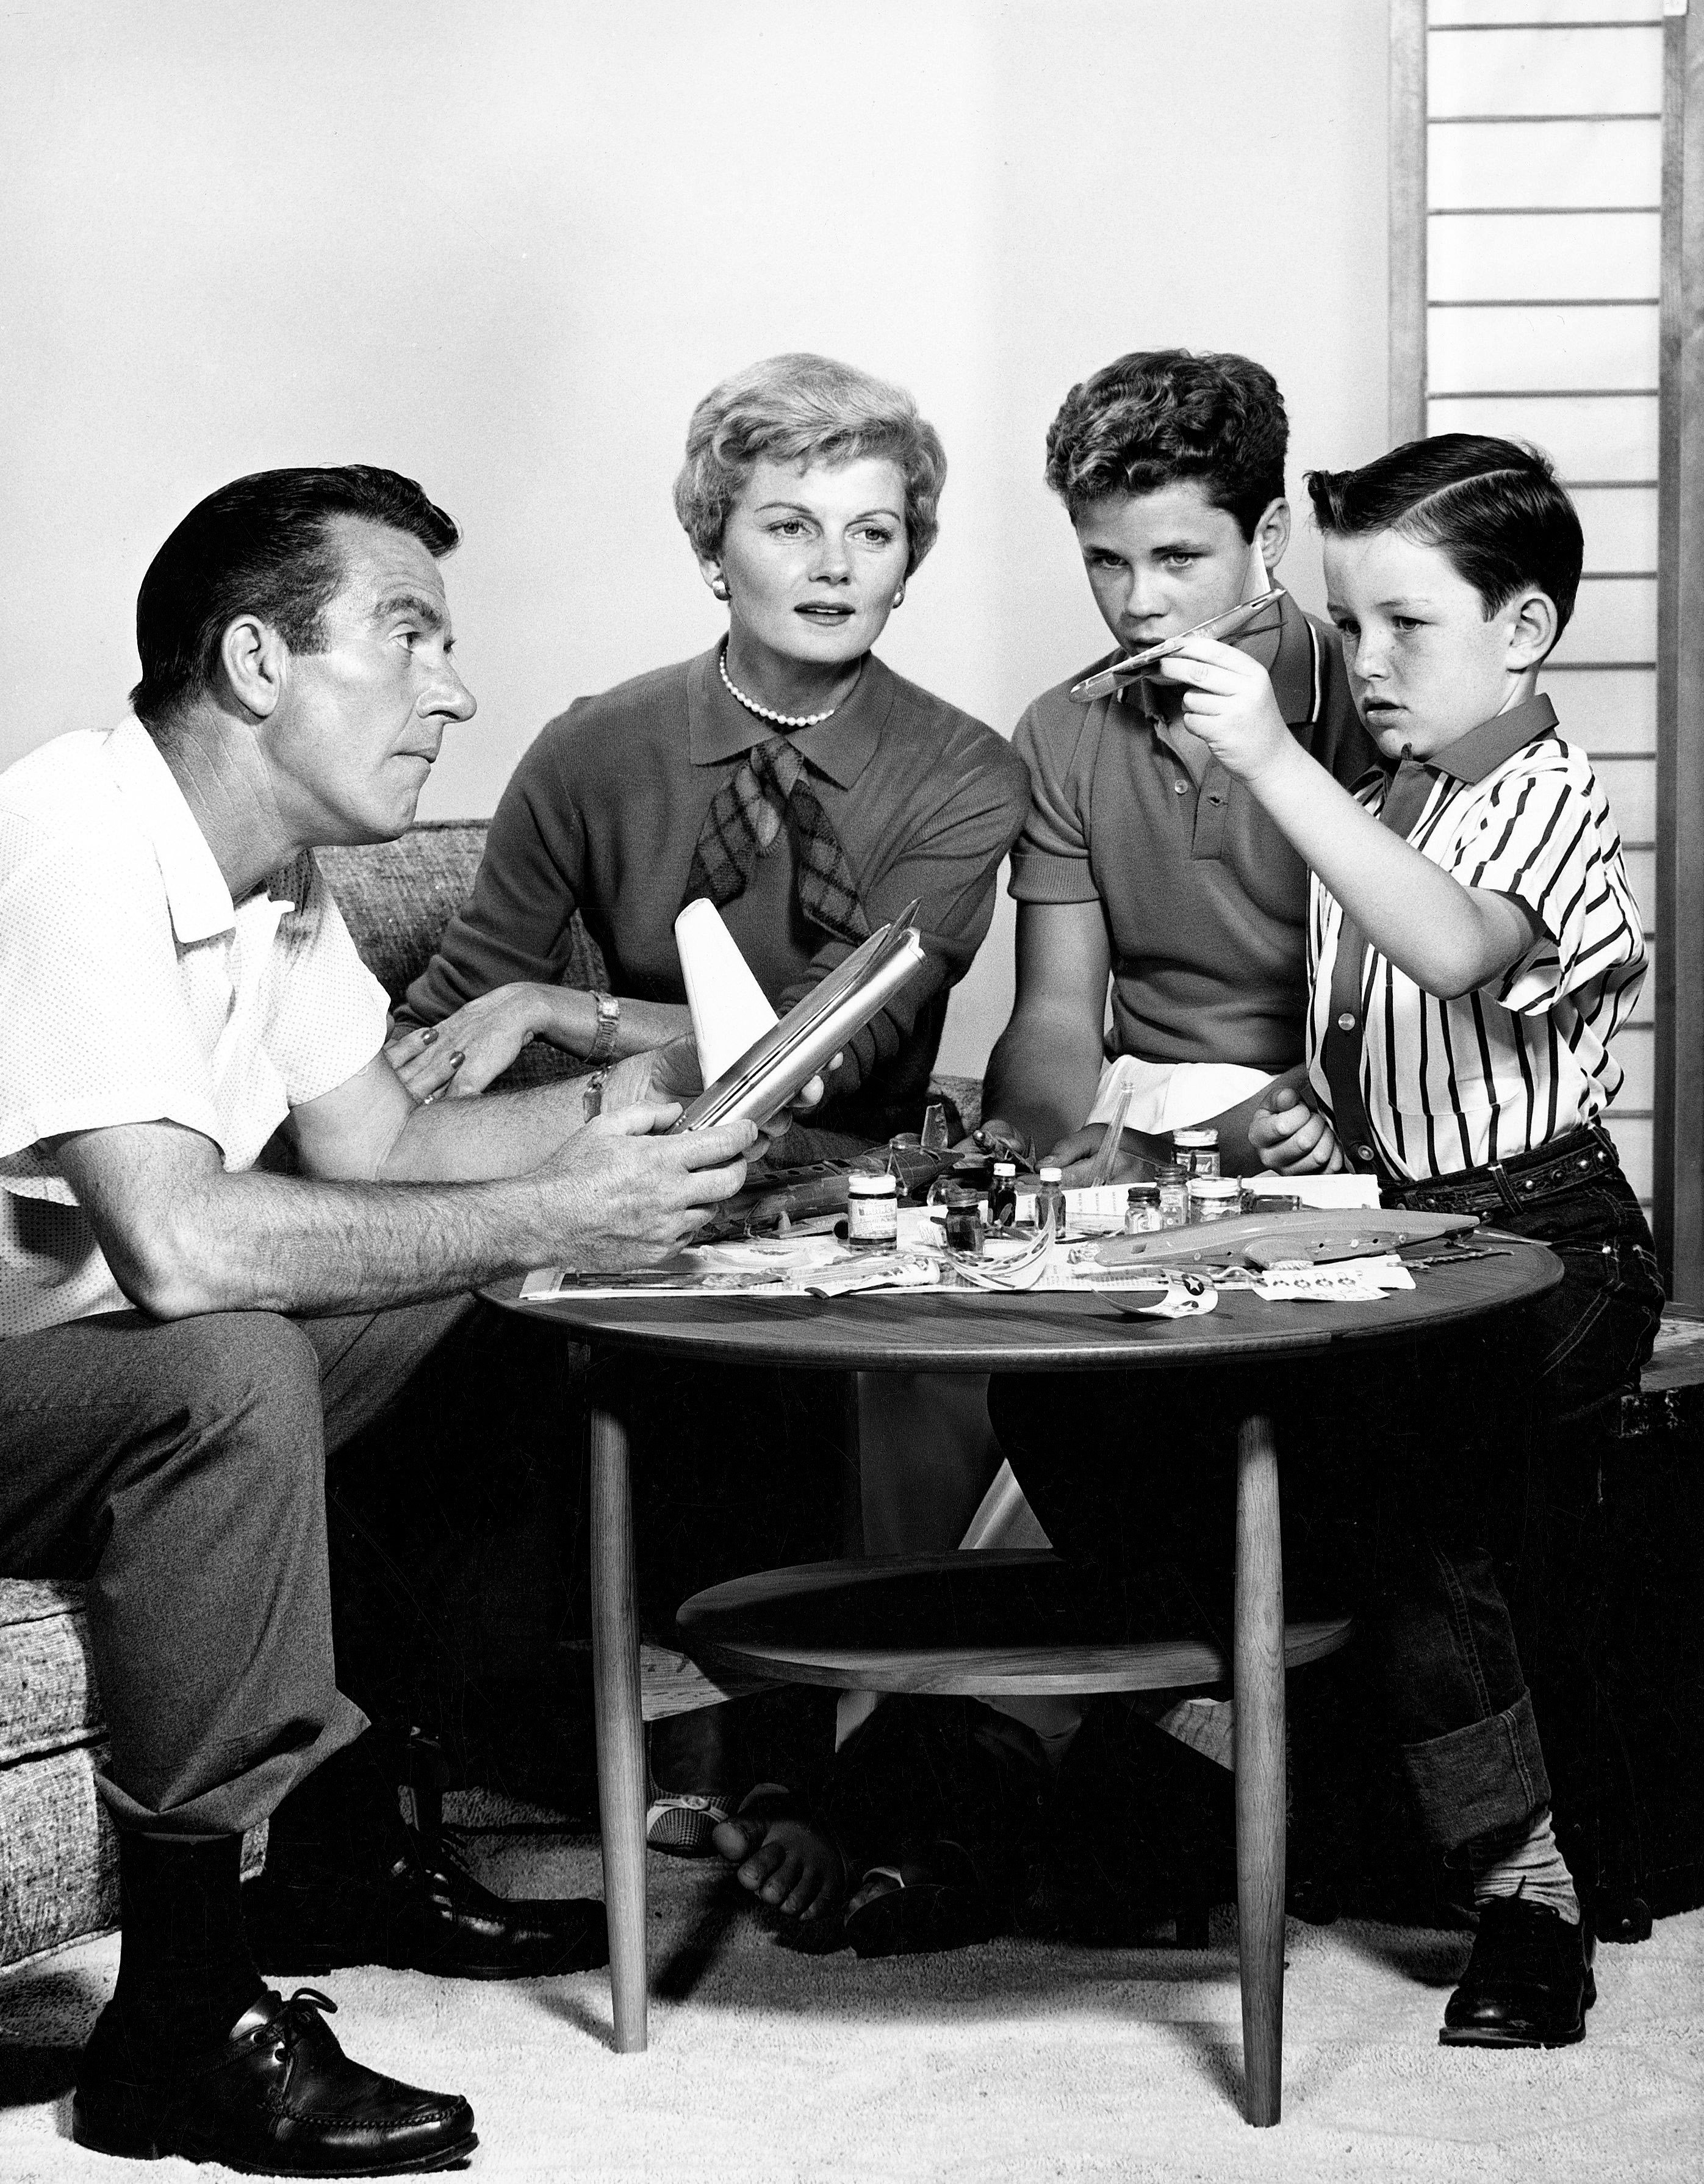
(978,1332)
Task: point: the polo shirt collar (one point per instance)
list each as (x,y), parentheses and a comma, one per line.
(719,727)
(195,890)
(1287,653)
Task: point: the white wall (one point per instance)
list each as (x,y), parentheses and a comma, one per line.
(506,246)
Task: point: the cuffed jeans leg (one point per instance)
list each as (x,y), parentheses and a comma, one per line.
(1464,1722)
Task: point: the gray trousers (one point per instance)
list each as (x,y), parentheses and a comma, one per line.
(177,1467)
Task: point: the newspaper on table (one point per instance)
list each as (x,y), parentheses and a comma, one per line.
(821,1265)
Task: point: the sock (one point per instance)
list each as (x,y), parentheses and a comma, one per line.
(1528,1865)
(186,1974)
(343,1822)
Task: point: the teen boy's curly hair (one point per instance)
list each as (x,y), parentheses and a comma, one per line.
(1159,417)
(1492,507)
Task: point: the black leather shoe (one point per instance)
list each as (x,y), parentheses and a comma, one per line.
(1528,1982)
(276,2097)
(424,1914)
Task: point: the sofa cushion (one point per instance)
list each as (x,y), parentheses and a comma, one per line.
(397,897)
(47,1694)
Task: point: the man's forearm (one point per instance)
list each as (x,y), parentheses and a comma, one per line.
(501,1133)
(256,1242)
(1043,1073)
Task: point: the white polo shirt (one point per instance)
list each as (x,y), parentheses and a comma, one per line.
(132,989)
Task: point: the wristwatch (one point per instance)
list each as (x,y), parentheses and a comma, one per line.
(603,1047)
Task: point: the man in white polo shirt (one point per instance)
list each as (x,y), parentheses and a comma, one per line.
(183,1334)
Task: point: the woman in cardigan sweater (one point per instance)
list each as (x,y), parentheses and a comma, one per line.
(787,774)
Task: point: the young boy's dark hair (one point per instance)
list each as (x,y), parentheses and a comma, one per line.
(1160,416)
(1493,508)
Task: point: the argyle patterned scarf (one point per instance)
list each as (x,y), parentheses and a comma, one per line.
(745,822)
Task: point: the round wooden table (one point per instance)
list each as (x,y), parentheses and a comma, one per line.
(982,1331)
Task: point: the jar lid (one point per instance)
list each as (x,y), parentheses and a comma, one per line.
(1143,1190)
(1196,1138)
(1169,1174)
(1215,1186)
(1005,1167)
(871,1186)
(1052,1174)
(962,1194)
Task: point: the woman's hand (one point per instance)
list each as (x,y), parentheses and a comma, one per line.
(463,1054)
(1293,1138)
(1229,702)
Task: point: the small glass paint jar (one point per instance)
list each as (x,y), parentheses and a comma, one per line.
(1141,1209)
(1173,1187)
(1003,1195)
(872,1212)
(1270,1201)
(1050,1201)
(964,1217)
(1196,1151)
(1214,1197)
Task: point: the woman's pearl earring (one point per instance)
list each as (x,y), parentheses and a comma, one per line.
(719,588)
(900,597)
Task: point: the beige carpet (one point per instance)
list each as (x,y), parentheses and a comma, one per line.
(1020,2061)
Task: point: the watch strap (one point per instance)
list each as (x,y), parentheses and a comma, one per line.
(603,1046)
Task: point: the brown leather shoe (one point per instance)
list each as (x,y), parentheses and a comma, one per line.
(277,2096)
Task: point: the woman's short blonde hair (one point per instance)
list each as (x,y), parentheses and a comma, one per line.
(805,409)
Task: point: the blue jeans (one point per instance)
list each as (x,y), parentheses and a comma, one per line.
(1395,1474)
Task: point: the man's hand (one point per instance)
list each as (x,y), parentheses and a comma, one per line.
(1292,1136)
(621,1193)
(1229,702)
(672,1073)
(462,1054)
(1075,1156)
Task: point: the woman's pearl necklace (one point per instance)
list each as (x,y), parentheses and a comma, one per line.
(763,712)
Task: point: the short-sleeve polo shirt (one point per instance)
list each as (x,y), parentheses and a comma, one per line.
(1204,901)
(133,989)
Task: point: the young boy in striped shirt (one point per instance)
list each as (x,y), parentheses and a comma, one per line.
(1473,946)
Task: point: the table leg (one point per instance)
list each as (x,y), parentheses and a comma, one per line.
(1258,1672)
(621,1779)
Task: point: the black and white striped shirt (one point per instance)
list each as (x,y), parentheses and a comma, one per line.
(1451,1085)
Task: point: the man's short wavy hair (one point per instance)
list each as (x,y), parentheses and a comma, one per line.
(265,545)
(805,409)
(1493,508)
(1165,416)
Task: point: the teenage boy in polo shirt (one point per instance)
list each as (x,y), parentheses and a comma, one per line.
(1141,857)
(1473,945)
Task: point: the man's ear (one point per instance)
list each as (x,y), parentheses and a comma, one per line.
(1532,623)
(1272,532)
(254,657)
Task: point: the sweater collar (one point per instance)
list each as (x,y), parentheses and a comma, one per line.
(719,727)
